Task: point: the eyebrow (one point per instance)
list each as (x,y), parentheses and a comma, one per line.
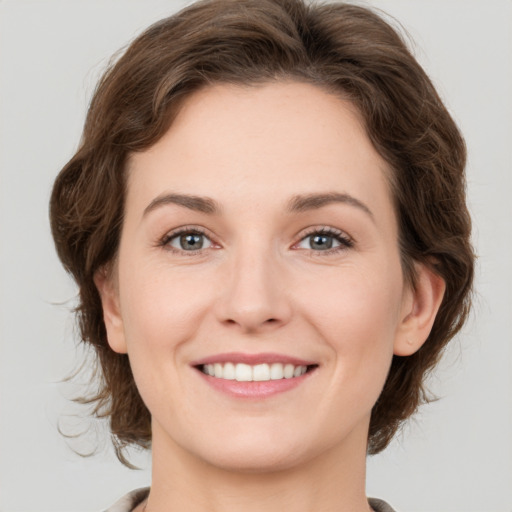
(298,203)
(302,203)
(196,203)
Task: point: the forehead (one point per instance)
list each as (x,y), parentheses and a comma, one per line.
(253,143)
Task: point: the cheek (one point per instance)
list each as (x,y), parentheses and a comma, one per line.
(353,299)
(161,313)
(357,316)
(161,307)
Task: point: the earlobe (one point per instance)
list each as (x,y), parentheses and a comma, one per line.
(111,310)
(420,310)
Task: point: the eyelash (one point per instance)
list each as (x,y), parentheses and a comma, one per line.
(345,242)
(185,230)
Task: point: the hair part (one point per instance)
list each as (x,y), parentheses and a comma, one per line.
(345,49)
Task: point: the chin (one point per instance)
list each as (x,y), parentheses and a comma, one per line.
(259,450)
(255,460)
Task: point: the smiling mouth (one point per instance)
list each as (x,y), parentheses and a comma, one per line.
(242,372)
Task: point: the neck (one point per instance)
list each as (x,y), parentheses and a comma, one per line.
(332,481)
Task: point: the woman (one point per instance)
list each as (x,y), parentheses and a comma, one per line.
(267,223)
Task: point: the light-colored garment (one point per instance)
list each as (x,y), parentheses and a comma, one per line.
(128,502)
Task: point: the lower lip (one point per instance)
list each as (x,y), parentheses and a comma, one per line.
(254,389)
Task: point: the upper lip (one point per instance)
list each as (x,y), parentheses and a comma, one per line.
(252,359)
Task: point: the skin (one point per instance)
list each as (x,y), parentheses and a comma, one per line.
(258,285)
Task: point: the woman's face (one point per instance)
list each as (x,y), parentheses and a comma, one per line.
(259,242)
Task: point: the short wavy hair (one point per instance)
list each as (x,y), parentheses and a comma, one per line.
(340,47)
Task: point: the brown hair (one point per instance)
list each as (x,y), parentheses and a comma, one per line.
(341,47)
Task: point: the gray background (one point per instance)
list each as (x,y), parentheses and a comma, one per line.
(456,456)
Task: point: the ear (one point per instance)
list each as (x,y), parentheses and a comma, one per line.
(107,287)
(419,310)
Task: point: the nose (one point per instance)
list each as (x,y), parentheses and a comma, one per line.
(253,297)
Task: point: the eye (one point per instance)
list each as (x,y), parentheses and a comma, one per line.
(325,240)
(190,240)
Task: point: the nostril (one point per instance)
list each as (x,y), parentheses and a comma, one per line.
(252,325)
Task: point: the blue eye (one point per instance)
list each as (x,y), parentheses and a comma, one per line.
(322,240)
(189,241)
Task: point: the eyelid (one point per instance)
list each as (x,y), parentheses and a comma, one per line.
(173,233)
(346,241)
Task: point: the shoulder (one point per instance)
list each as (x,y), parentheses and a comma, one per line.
(129,501)
(379,505)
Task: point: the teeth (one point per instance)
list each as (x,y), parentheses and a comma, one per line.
(259,373)
(229,371)
(297,372)
(288,371)
(277,371)
(243,373)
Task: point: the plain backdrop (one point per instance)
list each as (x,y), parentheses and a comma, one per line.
(456,456)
